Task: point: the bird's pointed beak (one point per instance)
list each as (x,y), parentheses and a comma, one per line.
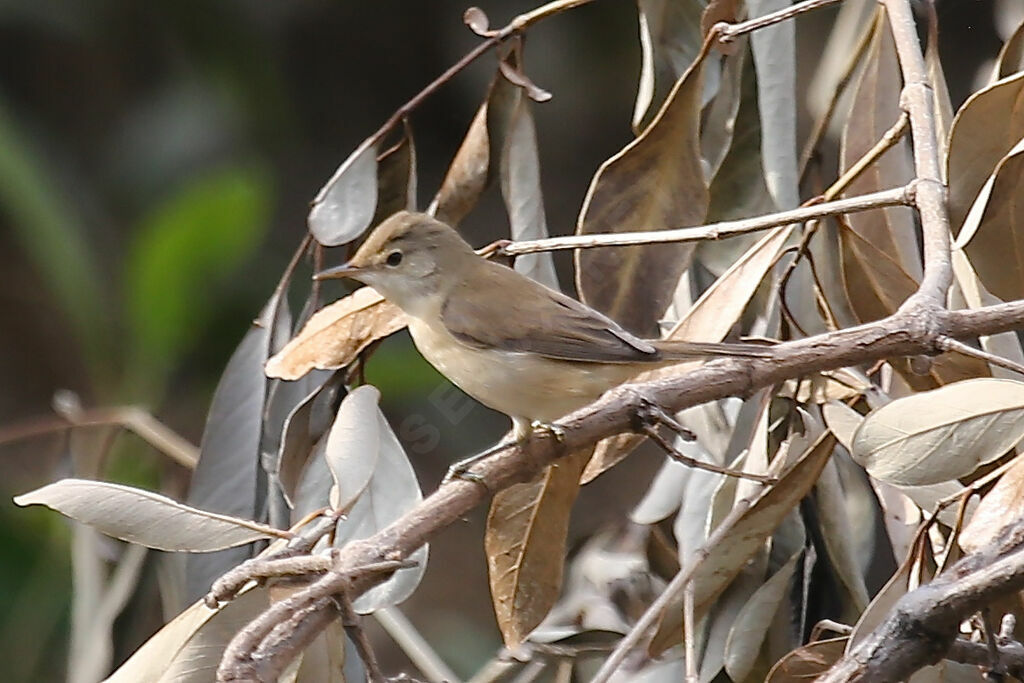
(344,270)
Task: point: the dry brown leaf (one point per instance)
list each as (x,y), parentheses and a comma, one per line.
(476,162)
(525,546)
(985,129)
(876,286)
(995,244)
(396,177)
(670,39)
(336,334)
(876,107)
(808,662)
(1011,57)
(746,536)
(1000,506)
(467,175)
(710,319)
(654,183)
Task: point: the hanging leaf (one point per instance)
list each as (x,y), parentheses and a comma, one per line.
(353,445)
(719,127)
(520,187)
(525,546)
(877,286)
(392,489)
(774,50)
(228,478)
(876,107)
(940,435)
(396,177)
(754,620)
(670,38)
(337,333)
(656,182)
(143,517)
(993,233)
(476,162)
(985,129)
(344,207)
(303,428)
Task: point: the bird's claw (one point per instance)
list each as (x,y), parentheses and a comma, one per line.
(461,471)
(557,432)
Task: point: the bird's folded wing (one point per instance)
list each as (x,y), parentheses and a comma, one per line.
(541,321)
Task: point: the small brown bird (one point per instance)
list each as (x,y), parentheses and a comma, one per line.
(506,340)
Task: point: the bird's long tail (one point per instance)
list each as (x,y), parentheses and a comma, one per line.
(671,349)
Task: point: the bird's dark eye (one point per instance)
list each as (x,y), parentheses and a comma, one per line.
(394,258)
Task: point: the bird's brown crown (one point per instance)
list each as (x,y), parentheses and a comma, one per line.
(405,234)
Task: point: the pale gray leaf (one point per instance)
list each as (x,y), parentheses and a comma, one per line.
(521,189)
(189,648)
(842,421)
(670,40)
(303,427)
(344,207)
(353,446)
(392,491)
(752,623)
(144,517)
(944,434)
(664,495)
(228,478)
(774,50)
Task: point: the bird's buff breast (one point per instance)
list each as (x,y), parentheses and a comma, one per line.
(521,385)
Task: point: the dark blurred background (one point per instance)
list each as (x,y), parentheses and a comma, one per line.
(156,163)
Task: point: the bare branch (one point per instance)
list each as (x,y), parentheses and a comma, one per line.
(728,32)
(930,197)
(875,200)
(922,627)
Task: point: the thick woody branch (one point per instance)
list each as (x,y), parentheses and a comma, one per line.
(914,330)
(922,628)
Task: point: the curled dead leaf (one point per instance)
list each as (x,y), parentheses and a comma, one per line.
(1000,506)
(336,334)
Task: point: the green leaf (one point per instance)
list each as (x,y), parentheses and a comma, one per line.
(197,238)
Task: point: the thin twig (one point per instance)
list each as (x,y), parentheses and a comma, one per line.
(947,344)
(930,192)
(414,645)
(728,32)
(134,419)
(896,196)
(675,454)
(689,634)
(996,668)
(350,621)
(884,144)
